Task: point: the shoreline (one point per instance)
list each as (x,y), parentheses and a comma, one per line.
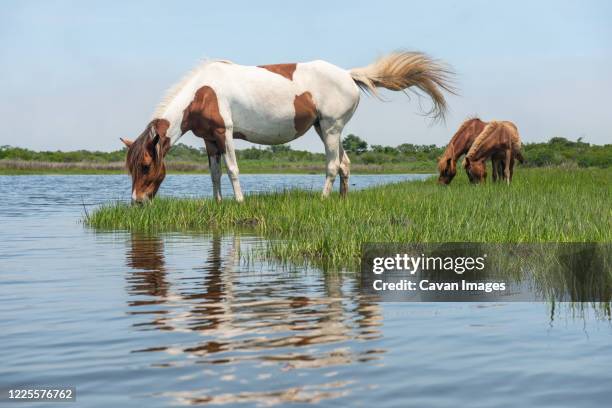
(23,167)
(541,205)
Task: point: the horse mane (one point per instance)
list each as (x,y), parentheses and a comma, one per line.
(480,139)
(489,130)
(466,123)
(136,152)
(442,162)
(174,90)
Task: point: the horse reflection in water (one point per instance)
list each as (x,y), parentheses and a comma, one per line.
(256,316)
(149,276)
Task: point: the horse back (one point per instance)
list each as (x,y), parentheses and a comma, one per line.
(272,104)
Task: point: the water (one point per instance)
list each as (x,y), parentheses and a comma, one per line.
(157,320)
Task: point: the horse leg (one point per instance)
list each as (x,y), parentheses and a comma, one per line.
(214,164)
(232,165)
(501,163)
(330,132)
(511,167)
(507,176)
(345,171)
(494,165)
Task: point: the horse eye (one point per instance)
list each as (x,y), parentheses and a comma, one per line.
(145,168)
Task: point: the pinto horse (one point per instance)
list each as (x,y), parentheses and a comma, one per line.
(221,101)
(499,141)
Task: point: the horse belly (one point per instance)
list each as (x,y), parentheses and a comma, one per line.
(269,121)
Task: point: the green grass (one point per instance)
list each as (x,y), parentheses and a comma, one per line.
(541,205)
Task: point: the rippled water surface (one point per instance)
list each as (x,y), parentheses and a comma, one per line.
(156,320)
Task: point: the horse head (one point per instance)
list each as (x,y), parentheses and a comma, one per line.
(447,165)
(145,160)
(476,170)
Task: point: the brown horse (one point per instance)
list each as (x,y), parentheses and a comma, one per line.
(500,142)
(459,145)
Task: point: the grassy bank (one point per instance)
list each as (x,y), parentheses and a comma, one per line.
(542,205)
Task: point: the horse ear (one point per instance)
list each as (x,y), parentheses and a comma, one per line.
(126,142)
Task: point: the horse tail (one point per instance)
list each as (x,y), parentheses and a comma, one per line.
(515,138)
(402,70)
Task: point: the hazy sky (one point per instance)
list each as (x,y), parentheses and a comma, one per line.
(78,75)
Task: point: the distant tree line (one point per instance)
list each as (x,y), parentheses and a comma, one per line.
(360,152)
(557,151)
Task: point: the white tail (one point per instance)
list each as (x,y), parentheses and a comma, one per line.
(402,70)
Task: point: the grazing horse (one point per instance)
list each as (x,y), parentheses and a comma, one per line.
(221,101)
(459,145)
(499,141)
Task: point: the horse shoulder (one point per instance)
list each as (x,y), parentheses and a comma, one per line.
(203,115)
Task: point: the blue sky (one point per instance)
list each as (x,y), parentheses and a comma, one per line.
(79,75)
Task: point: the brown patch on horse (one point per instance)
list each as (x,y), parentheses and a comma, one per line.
(203,118)
(285,70)
(305,112)
(161,126)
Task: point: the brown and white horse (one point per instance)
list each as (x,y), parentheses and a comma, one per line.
(221,101)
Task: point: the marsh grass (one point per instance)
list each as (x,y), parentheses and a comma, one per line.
(541,205)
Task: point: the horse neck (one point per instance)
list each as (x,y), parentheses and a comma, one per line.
(463,141)
(456,148)
(174,130)
(449,152)
(174,107)
(486,148)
